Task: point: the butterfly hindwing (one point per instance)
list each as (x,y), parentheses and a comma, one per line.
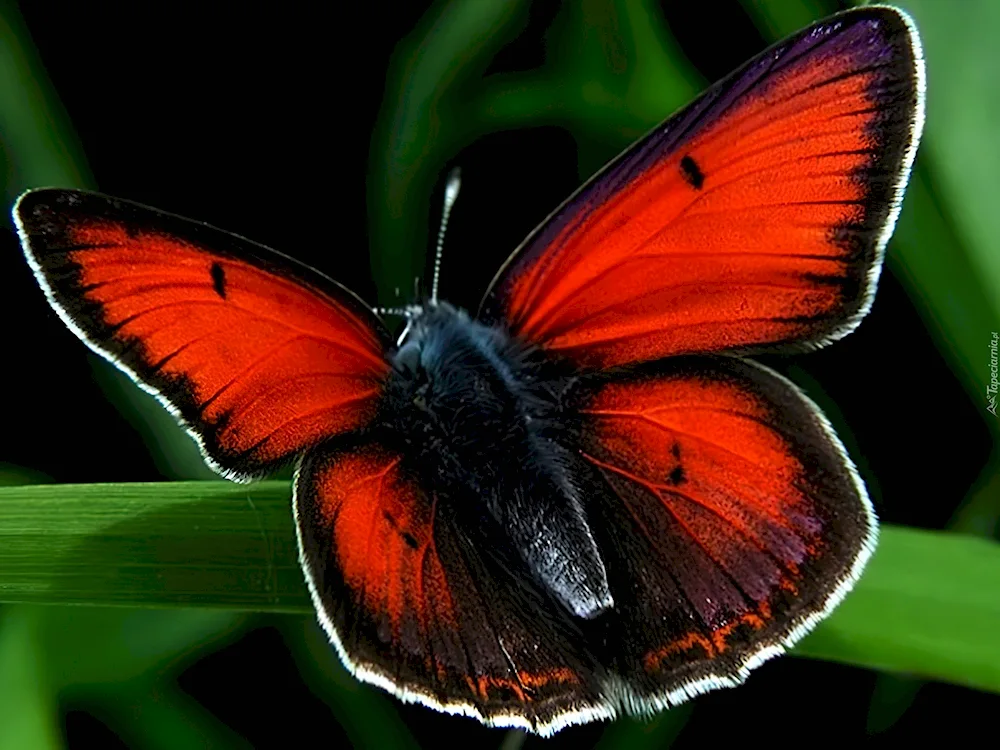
(732,518)
(756,216)
(260,356)
(420,603)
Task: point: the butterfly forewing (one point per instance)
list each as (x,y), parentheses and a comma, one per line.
(259,356)
(756,217)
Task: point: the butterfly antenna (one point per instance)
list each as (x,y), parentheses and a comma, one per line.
(400,311)
(450,194)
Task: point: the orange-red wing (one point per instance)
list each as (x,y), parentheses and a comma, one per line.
(757,216)
(422,605)
(734,519)
(259,356)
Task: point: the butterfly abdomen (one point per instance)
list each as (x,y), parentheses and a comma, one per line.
(473,410)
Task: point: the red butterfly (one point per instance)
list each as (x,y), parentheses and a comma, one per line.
(583,501)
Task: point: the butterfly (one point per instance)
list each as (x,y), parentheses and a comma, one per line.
(584,500)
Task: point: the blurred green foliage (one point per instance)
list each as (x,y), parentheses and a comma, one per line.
(613,70)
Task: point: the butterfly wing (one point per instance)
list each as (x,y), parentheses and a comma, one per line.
(755,217)
(732,518)
(425,605)
(259,356)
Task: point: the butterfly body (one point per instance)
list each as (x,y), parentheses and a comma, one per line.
(487,425)
(584,500)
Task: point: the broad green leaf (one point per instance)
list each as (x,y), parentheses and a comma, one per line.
(927,605)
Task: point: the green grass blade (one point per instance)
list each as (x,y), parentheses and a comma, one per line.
(963,94)
(39,144)
(212,544)
(928,604)
(28,708)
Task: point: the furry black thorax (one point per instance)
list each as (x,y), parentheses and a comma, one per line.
(462,395)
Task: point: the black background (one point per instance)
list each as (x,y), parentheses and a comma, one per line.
(259,120)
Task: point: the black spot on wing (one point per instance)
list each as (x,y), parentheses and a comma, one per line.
(219,280)
(692,172)
(411,541)
(677,475)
